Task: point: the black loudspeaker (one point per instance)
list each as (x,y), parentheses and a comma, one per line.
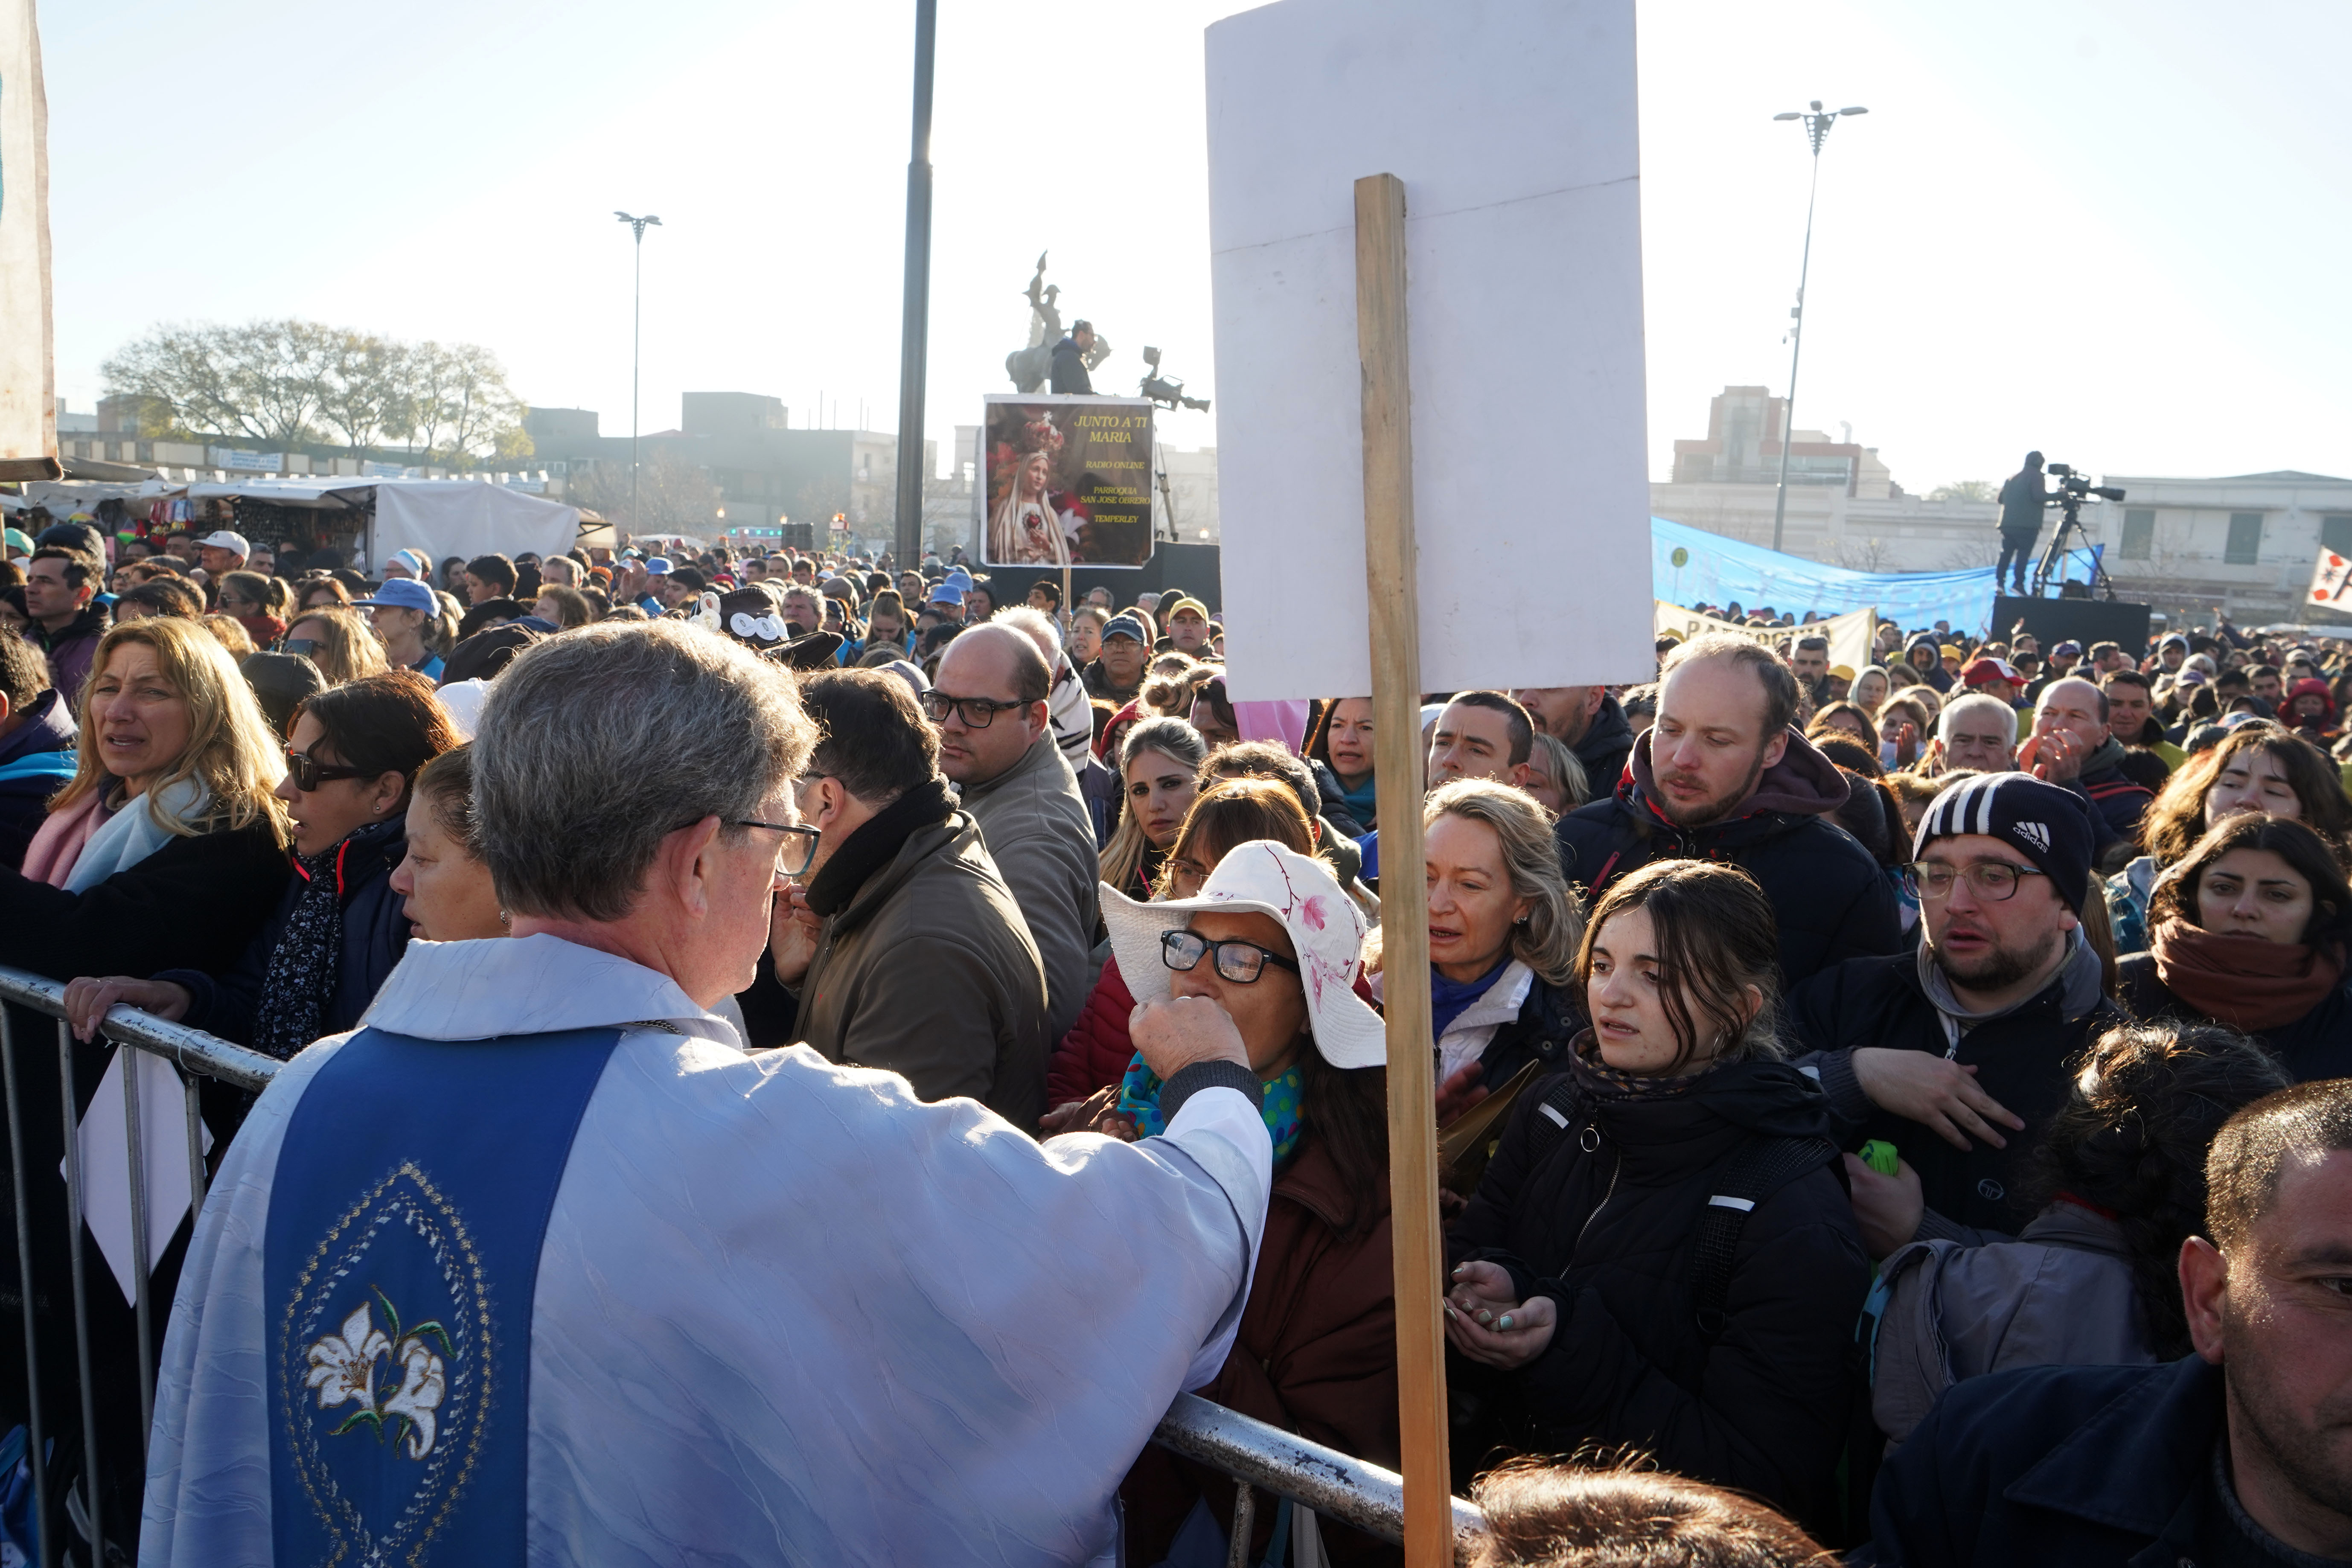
(2085,621)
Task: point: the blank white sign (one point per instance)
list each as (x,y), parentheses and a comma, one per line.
(1511,123)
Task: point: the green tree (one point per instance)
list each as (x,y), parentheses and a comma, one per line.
(1965,489)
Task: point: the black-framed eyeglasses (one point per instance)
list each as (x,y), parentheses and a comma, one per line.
(301,647)
(797,848)
(977,712)
(308,773)
(1239,961)
(1993,881)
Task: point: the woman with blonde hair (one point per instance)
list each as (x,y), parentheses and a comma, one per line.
(1158,764)
(167,846)
(1504,927)
(339,643)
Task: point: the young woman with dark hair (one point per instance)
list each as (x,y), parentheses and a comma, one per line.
(2260,766)
(2250,931)
(1584,1306)
(1341,750)
(2119,1182)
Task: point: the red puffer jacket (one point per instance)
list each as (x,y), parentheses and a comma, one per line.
(1096,1050)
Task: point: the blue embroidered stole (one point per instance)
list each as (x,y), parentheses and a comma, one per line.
(406,1214)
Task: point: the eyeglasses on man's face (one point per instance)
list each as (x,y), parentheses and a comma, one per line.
(1993,881)
(977,712)
(794,850)
(1239,961)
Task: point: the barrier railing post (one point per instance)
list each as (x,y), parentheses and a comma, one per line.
(131,1114)
(90,1493)
(35,1428)
(194,1096)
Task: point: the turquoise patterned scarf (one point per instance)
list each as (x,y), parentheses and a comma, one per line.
(1139,1100)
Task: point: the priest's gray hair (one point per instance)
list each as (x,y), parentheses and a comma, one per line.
(596,745)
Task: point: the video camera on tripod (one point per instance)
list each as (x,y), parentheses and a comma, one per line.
(2072,490)
(1168,391)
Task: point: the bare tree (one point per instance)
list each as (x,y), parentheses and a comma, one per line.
(1966,490)
(673,496)
(1872,555)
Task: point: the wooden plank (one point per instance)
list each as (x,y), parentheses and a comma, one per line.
(1390,565)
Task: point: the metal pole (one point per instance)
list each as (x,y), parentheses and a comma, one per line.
(82,1291)
(36,1429)
(636,360)
(914,332)
(136,1134)
(1796,347)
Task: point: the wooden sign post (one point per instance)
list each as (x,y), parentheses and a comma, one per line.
(1390,564)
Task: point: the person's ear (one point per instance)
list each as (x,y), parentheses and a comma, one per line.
(688,864)
(1519,774)
(1775,748)
(389,787)
(2204,1288)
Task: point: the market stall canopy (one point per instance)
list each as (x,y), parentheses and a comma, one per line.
(65,498)
(464,516)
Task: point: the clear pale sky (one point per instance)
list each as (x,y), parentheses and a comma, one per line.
(2112,230)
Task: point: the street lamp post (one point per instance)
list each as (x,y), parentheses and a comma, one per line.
(914,330)
(636,343)
(1817,128)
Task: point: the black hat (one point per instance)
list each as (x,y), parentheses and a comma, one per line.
(486,652)
(808,652)
(281,682)
(2049,825)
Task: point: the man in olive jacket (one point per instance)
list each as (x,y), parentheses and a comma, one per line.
(905,949)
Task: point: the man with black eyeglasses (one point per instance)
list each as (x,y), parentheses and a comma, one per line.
(989,702)
(1957,1053)
(901,946)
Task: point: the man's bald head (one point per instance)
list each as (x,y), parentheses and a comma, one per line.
(2075,706)
(1001,659)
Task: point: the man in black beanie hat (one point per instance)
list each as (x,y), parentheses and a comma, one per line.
(1957,1052)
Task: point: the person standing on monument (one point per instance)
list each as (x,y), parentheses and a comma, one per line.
(1070,360)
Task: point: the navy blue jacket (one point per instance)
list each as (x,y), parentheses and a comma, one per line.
(2084,1467)
(375,933)
(30,764)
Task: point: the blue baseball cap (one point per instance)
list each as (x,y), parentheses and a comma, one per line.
(1123,625)
(401,594)
(947,594)
(658,566)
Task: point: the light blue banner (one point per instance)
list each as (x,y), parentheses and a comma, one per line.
(1690,566)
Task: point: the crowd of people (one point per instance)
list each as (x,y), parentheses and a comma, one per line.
(1904,1110)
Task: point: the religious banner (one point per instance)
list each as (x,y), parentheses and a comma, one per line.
(2329,577)
(29,440)
(1850,634)
(1067,481)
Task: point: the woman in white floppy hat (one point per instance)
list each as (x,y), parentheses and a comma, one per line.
(1273,942)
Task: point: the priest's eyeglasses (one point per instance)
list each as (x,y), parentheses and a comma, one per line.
(1239,961)
(794,851)
(1992,880)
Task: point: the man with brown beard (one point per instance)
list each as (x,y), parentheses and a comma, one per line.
(1958,1054)
(1722,776)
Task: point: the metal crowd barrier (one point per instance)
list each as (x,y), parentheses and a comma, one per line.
(1258,1456)
(197,1055)
(1310,1475)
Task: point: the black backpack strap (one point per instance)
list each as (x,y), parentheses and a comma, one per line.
(1757,1170)
(1555,1114)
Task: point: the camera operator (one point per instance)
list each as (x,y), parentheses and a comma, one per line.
(2021,501)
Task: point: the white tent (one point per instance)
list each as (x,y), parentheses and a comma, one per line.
(439,517)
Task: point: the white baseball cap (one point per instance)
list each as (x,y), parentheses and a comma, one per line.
(236,543)
(1325,929)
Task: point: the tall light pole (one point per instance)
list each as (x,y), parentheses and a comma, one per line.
(914,326)
(1817,128)
(636,346)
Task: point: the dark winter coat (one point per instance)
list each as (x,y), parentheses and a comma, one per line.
(1828,893)
(70,649)
(375,933)
(1070,369)
(2116,799)
(194,903)
(2022,1061)
(1608,741)
(1316,1354)
(1344,822)
(2061,1467)
(2317,1045)
(36,761)
(1545,1031)
(2022,497)
(1603,1215)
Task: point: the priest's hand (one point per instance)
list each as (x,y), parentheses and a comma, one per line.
(793,930)
(1177,1033)
(87,999)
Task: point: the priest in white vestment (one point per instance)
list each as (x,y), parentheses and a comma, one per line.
(539,1266)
